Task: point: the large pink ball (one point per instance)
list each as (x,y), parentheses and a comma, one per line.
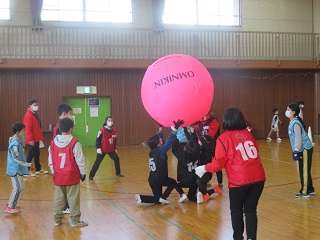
(176,87)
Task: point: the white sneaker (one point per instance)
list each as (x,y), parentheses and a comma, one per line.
(138,199)
(42,172)
(279,139)
(79,224)
(269,138)
(199,197)
(29,175)
(140,203)
(164,201)
(182,198)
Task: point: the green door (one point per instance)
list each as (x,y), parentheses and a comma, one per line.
(89,115)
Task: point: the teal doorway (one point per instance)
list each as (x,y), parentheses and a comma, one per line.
(89,115)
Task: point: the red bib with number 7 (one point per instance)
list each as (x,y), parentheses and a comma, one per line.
(66,170)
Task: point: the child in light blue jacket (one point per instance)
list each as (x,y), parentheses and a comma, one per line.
(17,166)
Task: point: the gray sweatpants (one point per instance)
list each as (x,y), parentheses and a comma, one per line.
(17,191)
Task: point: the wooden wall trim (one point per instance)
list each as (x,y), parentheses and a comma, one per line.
(144,63)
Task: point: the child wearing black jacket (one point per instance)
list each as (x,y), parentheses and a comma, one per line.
(158,163)
(188,155)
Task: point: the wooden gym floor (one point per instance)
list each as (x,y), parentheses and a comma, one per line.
(108,205)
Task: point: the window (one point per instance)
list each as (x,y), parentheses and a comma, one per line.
(87,10)
(5,10)
(202,12)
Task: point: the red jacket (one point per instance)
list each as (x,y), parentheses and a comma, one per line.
(237,151)
(33,129)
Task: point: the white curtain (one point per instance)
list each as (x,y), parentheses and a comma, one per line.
(157,12)
(36,8)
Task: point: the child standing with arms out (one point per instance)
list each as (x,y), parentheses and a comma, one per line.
(106,144)
(67,165)
(17,166)
(275,125)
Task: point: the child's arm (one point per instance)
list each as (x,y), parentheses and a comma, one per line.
(50,161)
(79,157)
(176,147)
(167,145)
(14,151)
(298,137)
(98,140)
(273,121)
(186,133)
(280,122)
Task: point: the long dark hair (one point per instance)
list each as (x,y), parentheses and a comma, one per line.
(296,109)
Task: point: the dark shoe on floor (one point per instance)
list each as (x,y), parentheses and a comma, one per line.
(66,211)
(120,175)
(300,195)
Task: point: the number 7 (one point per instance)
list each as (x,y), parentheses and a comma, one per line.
(63,159)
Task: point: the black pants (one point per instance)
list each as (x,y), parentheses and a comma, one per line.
(113,155)
(192,192)
(245,200)
(34,152)
(219,177)
(156,188)
(305,163)
(202,183)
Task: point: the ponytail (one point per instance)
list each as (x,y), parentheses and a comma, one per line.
(301,121)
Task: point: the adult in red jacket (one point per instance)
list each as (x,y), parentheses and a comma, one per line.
(33,135)
(237,152)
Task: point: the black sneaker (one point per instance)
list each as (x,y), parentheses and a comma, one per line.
(300,195)
(90,178)
(66,211)
(120,175)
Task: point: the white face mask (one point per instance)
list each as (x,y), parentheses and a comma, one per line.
(109,124)
(34,108)
(288,114)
